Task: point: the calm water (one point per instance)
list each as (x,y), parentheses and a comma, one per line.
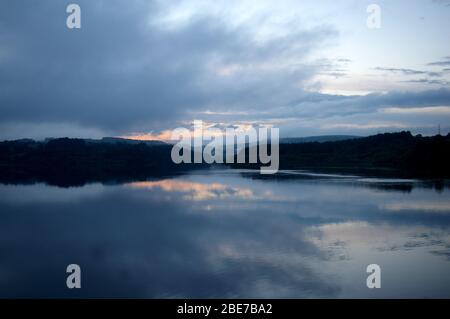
(227,234)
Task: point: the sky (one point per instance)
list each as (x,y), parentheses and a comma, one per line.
(140,68)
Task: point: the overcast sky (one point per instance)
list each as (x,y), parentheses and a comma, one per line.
(141,68)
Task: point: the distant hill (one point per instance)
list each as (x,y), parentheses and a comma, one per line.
(320,139)
(129,141)
(112,140)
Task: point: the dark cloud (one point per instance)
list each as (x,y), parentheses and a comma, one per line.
(320,106)
(123,71)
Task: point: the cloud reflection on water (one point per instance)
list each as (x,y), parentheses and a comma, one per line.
(265,238)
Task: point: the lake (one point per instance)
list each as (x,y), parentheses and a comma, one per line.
(228,234)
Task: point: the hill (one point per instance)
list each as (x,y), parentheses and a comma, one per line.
(65,161)
(320,139)
(408,155)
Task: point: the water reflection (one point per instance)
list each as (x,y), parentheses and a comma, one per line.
(418,206)
(195,190)
(223,234)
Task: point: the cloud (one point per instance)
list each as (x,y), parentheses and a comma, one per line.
(334,67)
(408,71)
(125,71)
(428,81)
(444,62)
(437,110)
(143,67)
(324,105)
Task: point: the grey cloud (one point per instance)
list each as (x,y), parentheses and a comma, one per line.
(320,106)
(428,81)
(318,114)
(444,62)
(120,72)
(334,67)
(408,71)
